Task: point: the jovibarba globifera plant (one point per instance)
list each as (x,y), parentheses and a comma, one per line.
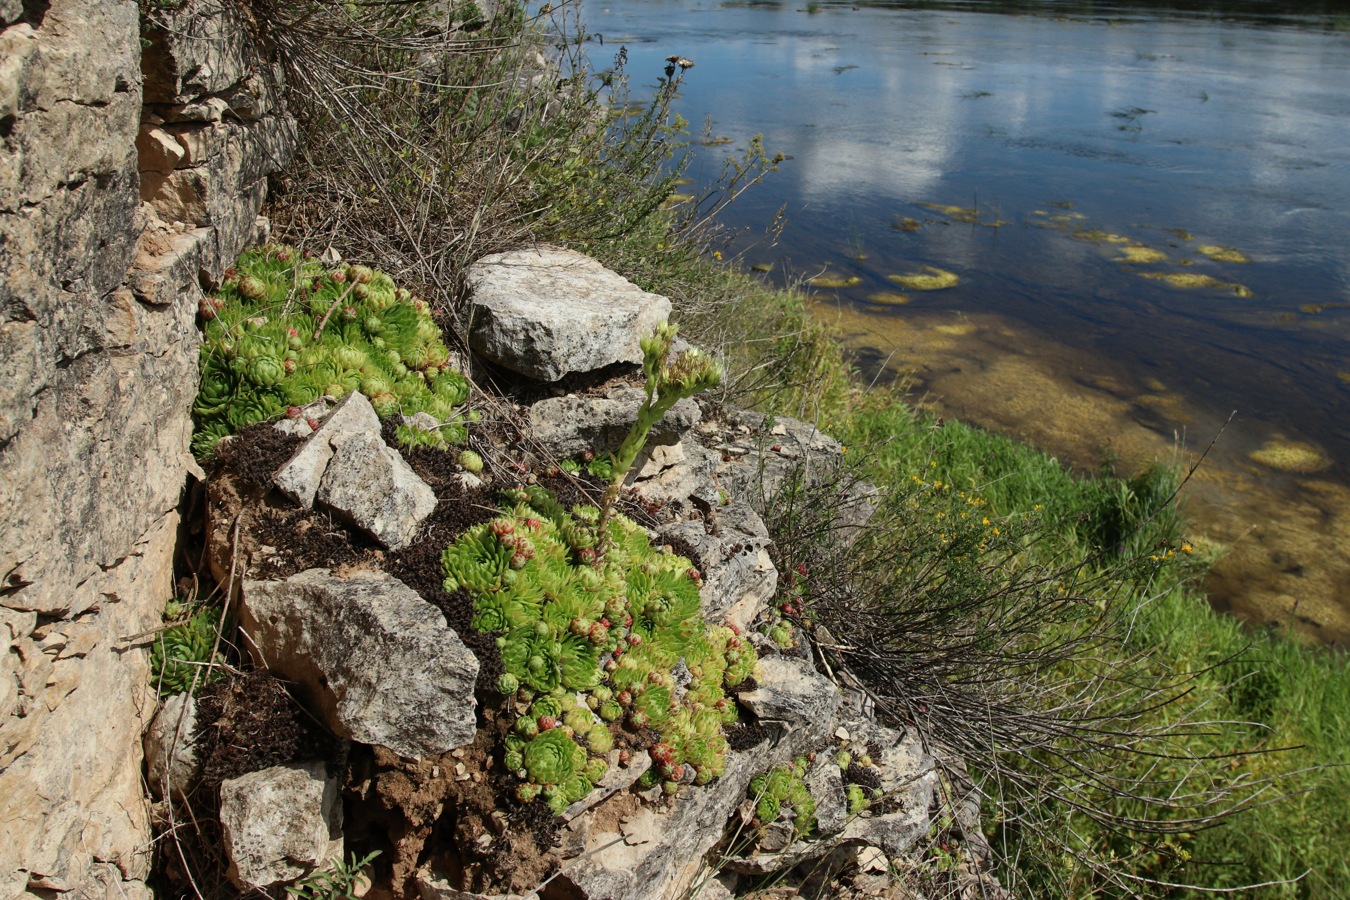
(668,381)
(181,656)
(282,331)
(593,643)
(781,792)
(862,782)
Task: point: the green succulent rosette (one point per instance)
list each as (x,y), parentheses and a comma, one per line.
(553,757)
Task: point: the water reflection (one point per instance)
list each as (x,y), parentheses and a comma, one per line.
(1074,134)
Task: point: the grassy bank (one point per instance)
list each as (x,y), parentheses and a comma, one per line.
(1041,625)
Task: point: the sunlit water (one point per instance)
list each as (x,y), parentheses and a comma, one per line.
(1027,154)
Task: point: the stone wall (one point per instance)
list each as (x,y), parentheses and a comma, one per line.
(129,179)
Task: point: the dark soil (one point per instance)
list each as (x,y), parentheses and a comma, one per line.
(251,723)
(254,453)
(457,811)
(746,735)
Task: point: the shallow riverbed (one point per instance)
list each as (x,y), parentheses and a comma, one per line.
(1103,233)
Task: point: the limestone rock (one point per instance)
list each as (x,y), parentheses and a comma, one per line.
(662,848)
(909,779)
(299,477)
(100,349)
(346,466)
(617,778)
(791,691)
(431,886)
(563,427)
(546,312)
(369,484)
(170,748)
(377,660)
(278,824)
(738,576)
(826,783)
(763,454)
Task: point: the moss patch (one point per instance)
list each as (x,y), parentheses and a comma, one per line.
(1290,456)
(930,279)
(834,281)
(1190,280)
(889,298)
(1138,253)
(1223,254)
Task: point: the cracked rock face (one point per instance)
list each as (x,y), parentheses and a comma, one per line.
(546,312)
(97,334)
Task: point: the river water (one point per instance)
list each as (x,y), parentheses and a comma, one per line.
(1146,211)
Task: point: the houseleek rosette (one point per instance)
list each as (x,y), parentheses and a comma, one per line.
(552,757)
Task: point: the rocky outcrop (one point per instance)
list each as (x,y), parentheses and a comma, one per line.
(98,296)
(546,312)
(377,661)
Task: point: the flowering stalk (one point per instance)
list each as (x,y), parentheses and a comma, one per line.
(668,382)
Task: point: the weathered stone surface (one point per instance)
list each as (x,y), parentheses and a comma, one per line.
(345,466)
(909,779)
(563,427)
(170,748)
(70,750)
(546,312)
(199,52)
(826,783)
(791,691)
(376,660)
(100,368)
(431,886)
(618,778)
(278,824)
(763,454)
(736,585)
(661,848)
(369,484)
(300,476)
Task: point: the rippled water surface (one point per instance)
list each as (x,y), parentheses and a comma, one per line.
(1078,174)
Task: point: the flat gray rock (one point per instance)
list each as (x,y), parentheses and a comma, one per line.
(376,661)
(546,312)
(280,823)
(563,427)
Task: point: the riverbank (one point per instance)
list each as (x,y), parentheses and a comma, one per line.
(1137,228)
(1277,537)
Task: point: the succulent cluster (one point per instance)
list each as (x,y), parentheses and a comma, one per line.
(592,643)
(283,331)
(180,653)
(861,779)
(781,792)
(776,622)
